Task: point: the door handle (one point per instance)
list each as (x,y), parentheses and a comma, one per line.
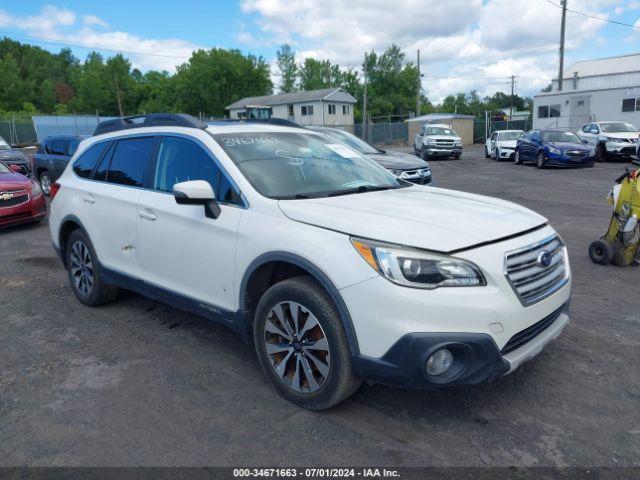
(147,215)
(89,199)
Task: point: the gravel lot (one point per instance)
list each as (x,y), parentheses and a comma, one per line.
(139,383)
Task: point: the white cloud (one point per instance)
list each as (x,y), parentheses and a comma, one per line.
(61,25)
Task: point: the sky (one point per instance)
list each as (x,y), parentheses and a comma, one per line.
(464,44)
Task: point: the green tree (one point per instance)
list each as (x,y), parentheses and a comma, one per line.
(287,68)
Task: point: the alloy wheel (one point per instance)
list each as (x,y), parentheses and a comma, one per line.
(45,183)
(297,347)
(81,268)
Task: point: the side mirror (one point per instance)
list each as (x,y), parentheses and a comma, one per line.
(594,131)
(19,169)
(197,192)
(585,141)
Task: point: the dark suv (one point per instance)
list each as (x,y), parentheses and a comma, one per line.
(11,156)
(52,157)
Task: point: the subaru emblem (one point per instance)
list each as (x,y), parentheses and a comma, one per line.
(544,258)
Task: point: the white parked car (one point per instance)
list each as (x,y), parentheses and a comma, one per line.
(610,139)
(336,270)
(501,145)
(437,140)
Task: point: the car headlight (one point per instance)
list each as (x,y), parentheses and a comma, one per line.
(457,143)
(397,173)
(418,268)
(35,189)
(555,151)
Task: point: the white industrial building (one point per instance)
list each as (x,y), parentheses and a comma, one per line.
(592,90)
(328,106)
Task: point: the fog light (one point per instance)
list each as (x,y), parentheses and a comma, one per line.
(439,362)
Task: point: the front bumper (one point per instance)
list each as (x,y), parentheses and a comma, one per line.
(621,149)
(506,154)
(32,210)
(443,151)
(399,327)
(556,160)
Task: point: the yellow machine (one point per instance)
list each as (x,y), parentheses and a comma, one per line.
(621,243)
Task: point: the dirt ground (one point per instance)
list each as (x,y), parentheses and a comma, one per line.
(139,383)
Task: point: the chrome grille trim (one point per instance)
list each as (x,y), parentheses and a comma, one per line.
(531,281)
(20,197)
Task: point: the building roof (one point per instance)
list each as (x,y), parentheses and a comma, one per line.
(605,66)
(294,97)
(438,116)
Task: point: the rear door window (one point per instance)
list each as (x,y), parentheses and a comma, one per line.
(130,161)
(89,159)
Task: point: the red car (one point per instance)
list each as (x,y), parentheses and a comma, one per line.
(21,199)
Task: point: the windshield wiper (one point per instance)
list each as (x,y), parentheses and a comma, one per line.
(360,189)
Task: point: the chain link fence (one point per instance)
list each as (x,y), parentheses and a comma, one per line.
(18,132)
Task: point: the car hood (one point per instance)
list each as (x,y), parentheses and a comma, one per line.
(569,146)
(507,143)
(621,134)
(12,154)
(424,217)
(398,160)
(13,181)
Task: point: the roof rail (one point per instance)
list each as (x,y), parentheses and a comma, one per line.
(150,120)
(269,121)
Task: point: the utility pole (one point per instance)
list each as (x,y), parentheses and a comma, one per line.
(364,101)
(418,99)
(513,81)
(562,28)
(118,97)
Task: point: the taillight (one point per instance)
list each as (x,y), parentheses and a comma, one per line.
(55,186)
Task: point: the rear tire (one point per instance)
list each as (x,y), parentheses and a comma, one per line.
(85,271)
(45,183)
(312,378)
(541,162)
(601,252)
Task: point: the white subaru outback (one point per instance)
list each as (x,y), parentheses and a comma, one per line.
(336,270)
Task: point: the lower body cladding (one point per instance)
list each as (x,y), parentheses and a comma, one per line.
(447,152)
(33,210)
(425,339)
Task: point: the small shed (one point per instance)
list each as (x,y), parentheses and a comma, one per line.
(462,124)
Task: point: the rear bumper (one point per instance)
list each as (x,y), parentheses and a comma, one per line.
(477,358)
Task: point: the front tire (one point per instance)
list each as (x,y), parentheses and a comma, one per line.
(45,183)
(486,152)
(517,158)
(84,272)
(302,346)
(601,153)
(541,162)
(496,154)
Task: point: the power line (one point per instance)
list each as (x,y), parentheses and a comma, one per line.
(595,17)
(87,46)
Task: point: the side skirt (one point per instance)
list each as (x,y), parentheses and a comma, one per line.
(234,320)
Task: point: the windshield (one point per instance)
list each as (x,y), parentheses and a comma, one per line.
(559,136)
(4,168)
(611,127)
(303,165)
(441,131)
(352,141)
(509,135)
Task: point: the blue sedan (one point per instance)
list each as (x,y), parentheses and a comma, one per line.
(556,148)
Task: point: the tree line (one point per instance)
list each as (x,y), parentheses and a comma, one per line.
(35,80)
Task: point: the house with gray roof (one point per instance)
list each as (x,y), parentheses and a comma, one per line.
(324,107)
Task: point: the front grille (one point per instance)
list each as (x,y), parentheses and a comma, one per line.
(417,174)
(530,276)
(18,198)
(444,143)
(530,333)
